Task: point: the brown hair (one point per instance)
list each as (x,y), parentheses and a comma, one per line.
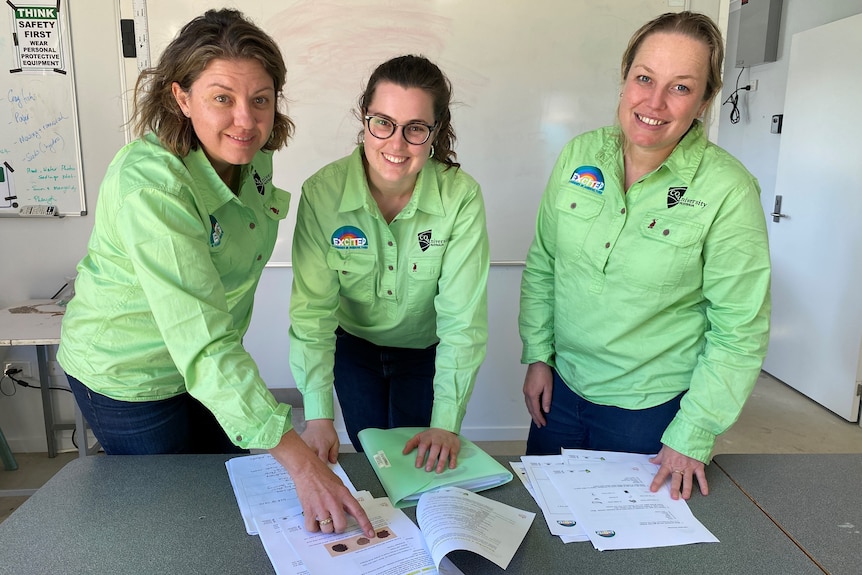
(696,26)
(218,34)
(419,72)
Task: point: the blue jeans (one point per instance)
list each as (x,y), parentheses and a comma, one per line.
(382,387)
(576,423)
(179,424)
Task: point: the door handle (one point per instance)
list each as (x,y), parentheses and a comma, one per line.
(776,210)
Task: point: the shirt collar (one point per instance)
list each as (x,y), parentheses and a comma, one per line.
(426,193)
(214,191)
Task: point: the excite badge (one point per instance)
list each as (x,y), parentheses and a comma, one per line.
(589,177)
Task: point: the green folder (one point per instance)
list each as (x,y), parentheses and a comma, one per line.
(404,483)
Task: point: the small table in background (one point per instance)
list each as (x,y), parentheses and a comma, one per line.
(37,323)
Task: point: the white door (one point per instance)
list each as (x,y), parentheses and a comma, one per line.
(816,337)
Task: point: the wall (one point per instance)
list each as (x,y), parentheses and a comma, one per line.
(44,252)
(750,140)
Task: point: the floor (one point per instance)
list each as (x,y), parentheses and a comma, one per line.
(776,419)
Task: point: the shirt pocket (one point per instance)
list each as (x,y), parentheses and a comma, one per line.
(356,274)
(577,212)
(422,274)
(666,249)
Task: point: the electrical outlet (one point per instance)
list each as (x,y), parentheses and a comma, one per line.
(753,85)
(24,366)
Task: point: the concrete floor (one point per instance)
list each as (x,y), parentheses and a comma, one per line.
(776,419)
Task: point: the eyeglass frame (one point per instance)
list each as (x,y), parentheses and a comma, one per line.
(395,126)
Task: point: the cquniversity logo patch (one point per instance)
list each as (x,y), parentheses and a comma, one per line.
(216,233)
(349,238)
(589,177)
(674,195)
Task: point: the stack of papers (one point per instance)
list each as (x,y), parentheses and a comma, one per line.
(450,518)
(604,497)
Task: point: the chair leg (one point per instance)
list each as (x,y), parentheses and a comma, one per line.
(6,454)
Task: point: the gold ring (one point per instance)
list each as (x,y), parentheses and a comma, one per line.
(326,521)
(680,471)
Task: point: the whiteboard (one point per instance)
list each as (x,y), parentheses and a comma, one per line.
(528,75)
(40,156)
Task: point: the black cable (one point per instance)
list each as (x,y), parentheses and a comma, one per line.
(733,99)
(11,373)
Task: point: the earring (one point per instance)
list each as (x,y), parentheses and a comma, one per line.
(431,155)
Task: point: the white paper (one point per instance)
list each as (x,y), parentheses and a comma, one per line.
(397,548)
(452,519)
(263,487)
(616,508)
(560,519)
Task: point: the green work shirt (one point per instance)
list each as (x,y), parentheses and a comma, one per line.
(411,283)
(164,295)
(636,297)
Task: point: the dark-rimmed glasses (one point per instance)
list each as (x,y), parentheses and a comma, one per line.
(415,133)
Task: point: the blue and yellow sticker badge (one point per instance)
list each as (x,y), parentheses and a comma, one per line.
(349,238)
(216,233)
(589,177)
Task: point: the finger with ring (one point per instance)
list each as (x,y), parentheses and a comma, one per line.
(326,521)
(680,471)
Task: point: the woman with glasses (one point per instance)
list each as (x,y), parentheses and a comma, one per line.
(390,260)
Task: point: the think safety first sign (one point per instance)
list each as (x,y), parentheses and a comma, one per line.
(37,38)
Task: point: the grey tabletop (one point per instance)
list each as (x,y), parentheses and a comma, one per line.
(177,514)
(815,498)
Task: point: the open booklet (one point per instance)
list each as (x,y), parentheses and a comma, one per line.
(449,519)
(404,482)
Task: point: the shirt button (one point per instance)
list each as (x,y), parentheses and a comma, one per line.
(251,225)
(391,268)
(389,243)
(389,292)
(574,205)
(239,437)
(665,232)
(344,272)
(622,211)
(259,257)
(607,245)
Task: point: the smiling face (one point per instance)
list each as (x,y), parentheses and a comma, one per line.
(232,109)
(663,92)
(393,164)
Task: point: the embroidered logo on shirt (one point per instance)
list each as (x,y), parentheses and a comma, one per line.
(675,197)
(216,233)
(258,182)
(349,238)
(426,242)
(589,177)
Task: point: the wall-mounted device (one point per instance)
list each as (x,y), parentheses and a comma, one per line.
(759,23)
(777,120)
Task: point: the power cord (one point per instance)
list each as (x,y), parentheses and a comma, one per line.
(733,99)
(12,372)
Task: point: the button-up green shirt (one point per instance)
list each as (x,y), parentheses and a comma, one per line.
(410,283)
(636,297)
(165,292)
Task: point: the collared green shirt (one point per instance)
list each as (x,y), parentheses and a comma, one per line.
(165,292)
(411,283)
(636,297)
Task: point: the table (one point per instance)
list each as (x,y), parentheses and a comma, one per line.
(177,514)
(37,323)
(815,498)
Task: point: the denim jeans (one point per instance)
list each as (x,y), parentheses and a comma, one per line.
(179,424)
(575,423)
(382,387)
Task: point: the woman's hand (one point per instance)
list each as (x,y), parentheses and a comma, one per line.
(538,390)
(682,470)
(321,437)
(325,500)
(436,447)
